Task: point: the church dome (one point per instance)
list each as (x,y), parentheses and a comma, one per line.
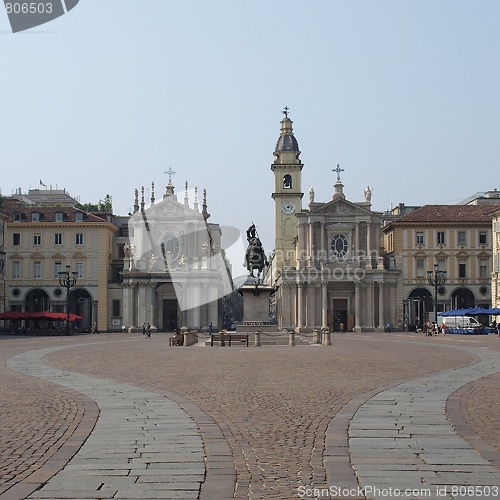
(287,141)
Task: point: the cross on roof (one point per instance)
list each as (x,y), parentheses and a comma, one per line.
(170,172)
(338,170)
(285,111)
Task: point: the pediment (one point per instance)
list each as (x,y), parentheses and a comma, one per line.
(170,207)
(341,207)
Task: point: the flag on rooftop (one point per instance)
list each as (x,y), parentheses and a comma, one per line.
(42,184)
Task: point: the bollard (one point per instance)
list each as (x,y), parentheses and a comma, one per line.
(292,339)
(257,339)
(327,339)
(317,336)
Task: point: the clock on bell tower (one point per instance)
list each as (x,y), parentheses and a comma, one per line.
(287,194)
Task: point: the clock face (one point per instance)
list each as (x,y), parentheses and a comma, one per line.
(288,207)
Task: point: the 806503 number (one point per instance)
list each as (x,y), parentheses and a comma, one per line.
(29,8)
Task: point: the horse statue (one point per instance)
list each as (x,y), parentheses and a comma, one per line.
(255,256)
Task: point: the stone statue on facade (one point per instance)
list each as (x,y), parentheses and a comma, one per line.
(311,195)
(368,194)
(129,250)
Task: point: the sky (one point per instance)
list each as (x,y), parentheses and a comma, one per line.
(404,95)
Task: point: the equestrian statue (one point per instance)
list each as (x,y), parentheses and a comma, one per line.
(255,256)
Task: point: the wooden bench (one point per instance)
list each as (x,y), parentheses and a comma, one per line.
(228,337)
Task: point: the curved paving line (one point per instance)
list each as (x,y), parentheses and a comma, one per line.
(80,431)
(454,410)
(144,444)
(336,457)
(401,437)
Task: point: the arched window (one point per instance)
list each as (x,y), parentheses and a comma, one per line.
(287,181)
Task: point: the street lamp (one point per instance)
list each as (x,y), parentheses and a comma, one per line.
(2,266)
(436,279)
(67,279)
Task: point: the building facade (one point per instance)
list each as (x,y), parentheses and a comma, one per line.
(328,267)
(175,274)
(42,241)
(495,275)
(456,239)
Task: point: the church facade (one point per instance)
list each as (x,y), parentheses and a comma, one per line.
(175,272)
(328,267)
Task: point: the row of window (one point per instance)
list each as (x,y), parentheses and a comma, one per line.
(461,238)
(37,216)
(37,239)
(462,268)
(37,269)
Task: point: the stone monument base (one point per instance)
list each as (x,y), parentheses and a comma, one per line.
(256,303)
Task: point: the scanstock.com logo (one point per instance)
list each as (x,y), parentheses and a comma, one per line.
(25,15)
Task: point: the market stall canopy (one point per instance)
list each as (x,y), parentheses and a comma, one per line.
(40,315)
(471,311)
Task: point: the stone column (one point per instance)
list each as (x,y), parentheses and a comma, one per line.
(300,307)
(369,243)
(154,306)
(392,303)
(324,306)
(142,306)
(324,249)
(197,309)
(300,237)
(381,307)
(369,306)
(357,244)
(357,307)
(311,244)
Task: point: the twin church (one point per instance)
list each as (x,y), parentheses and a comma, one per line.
(326,270)
(327,267)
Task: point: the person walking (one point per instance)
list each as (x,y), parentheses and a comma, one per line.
(210,328)
(144,328)
(94,328)
(148,330)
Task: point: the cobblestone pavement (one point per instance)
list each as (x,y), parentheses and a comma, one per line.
(274,404)
(36,419)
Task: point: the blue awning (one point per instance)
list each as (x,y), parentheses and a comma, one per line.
(471,311)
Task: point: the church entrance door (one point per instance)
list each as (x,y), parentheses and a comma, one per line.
(169,315)
(340,315)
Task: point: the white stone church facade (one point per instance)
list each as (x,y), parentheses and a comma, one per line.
(175,272)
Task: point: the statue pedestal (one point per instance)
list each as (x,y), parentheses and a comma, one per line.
(255,303)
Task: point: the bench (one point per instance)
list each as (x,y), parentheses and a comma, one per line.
(228,337)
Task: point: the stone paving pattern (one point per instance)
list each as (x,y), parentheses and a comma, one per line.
(36,419)
(273,405)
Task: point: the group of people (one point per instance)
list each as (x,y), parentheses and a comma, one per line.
(432,329)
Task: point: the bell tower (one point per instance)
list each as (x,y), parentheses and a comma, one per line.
(287,195)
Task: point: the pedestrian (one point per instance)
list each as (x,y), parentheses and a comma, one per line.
(94,328)
(498,330)
(210,328)
(388,328)
(148,330)
(144,328)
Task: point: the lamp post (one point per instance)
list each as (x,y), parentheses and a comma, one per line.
(67,279)
(2,265)
(436,279)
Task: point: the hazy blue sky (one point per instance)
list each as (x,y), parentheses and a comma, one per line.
(403,94)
